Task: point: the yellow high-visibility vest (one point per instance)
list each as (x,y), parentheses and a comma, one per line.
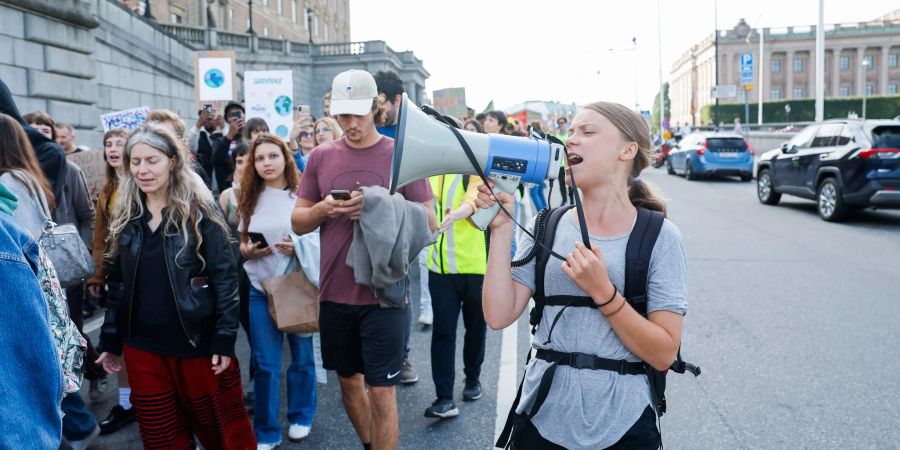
(461,249)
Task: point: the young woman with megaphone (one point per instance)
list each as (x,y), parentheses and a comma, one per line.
(589,405)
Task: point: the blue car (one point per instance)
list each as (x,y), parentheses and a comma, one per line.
(707,153)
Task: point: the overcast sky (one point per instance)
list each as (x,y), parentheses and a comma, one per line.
(512,51)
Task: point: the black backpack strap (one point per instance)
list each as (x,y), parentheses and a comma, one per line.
(637,257)
(466,183)
(540,263)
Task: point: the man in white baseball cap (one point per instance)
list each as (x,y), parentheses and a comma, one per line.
(352,93)
(362,341)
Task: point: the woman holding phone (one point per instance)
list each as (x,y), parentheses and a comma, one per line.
(264,211)
(177,336)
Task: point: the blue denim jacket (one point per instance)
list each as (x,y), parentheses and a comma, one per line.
(30,417)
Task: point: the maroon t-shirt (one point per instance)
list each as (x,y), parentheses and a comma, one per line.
(338,166)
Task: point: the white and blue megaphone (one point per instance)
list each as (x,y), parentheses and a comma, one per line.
(425,147)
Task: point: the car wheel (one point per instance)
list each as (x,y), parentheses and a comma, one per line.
(669,168)
(688,172)
(830,201)
(765,190)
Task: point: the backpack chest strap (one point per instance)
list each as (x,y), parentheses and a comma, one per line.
(593,362)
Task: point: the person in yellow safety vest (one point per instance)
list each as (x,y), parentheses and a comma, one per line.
(456,266)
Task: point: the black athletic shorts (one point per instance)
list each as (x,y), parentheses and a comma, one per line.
(365,339)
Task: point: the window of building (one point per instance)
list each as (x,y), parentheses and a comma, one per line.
(776,66)
(306,18)
(892,88)
(776,94)
(265,2)
(231,18)
(845,90)
(798,65)
(315,25)
(892,60)
(265,31)
(870,89)
(294,11)
(798,92)
(869,62)
(326,32)
(279,6)
(845,63)
(176,14)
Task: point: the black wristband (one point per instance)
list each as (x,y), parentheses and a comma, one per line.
(615,291)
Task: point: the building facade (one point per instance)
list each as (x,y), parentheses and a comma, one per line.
(322,21)
(79,59)
(860,58)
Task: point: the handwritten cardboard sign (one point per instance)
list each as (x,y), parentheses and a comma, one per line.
(128,119)
(451,102)
(93,167)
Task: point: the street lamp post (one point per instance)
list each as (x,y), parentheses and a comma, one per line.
(865,63)
(250,6)
(637,106)
(309,30)
(662,98)
(632,49)
(716,28)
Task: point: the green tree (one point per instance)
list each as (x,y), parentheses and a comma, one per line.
(654,123)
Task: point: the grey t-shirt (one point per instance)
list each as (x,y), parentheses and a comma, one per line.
(594,408)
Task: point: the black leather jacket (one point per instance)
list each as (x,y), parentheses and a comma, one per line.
(205,300)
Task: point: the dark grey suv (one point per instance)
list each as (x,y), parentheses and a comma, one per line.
(841,164)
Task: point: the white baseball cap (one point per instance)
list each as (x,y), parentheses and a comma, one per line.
(352,92)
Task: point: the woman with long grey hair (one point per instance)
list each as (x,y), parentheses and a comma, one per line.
(177,319)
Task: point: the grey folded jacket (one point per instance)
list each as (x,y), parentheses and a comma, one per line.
(389,234)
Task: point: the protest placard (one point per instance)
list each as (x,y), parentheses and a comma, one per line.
(214,75)
(269,95)
(93,167)
(128,119)
(451,102)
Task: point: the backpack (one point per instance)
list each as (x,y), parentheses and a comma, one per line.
(637,268)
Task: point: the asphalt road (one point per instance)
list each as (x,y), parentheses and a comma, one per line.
(792,320)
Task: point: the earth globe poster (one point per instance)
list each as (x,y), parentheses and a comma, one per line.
(270,95)
(215,76)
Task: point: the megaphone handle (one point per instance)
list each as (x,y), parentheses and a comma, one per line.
(483,217)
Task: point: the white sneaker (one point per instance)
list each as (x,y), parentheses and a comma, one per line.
(426,319)
(267,446)
(298,432)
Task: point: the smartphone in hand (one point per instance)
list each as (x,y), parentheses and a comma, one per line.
(258,238)
(340,194)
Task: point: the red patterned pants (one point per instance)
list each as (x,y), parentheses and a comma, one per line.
(175,397)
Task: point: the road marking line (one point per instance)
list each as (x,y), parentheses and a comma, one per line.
(506,381)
